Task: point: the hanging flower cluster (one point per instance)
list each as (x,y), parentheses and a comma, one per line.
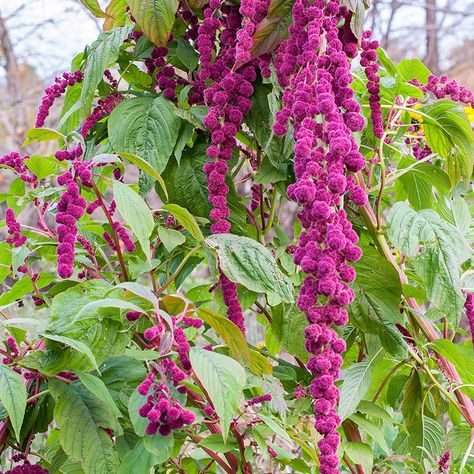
(469,307)
(53,92)
(17,162)
(441,87)
(27,468)
(14,229)
(162,410)
(228,100)
(369,63)
(71,207)
(321,105)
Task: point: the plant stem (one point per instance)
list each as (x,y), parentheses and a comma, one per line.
(39,394)
(111,222)
(271,216)
(175,274)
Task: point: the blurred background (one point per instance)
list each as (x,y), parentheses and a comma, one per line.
(38,39)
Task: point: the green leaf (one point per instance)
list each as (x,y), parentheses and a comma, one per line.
(136,213)
(41,166)
(13,397)
(146,168)
(413,69)
(426,436)
(275,427)
(224,380)
(98,388)
(187,187)
(464,365)
(376,307)
(134,403)
(80,418)
(171,238)
(23,287)
(155,17)
(217,444)
(160,446)
(94,7)
(102,53)
(287,331)
(105,303)
(138,460)
(231,334)
(147,127)
(273,28)
(36,135)
(76,345)
(249,263)
(386,62)
(449,133)
(371,429)
(459,438)
(359,453)
(444,249)
(355,384)
(186,219)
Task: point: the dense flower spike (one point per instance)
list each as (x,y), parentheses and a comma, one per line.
(162,410)
(441,87)
(369,63)
(27,468)
(443,463)
(17,162)
(53,92)
(14,229)
(71,207)
(319,101)
(266,397)
(228,100)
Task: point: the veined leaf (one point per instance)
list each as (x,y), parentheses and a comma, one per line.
(355,384)
(98,388)
(186,219)
(359,453)
(146,127)
(81,418)
(13,397)
(223,378)
(136,213)
(155,17)
(249,263)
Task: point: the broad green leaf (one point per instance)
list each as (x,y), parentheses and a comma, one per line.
(463,364)
(449,133)
(136,213)
(116,14)
(217,444)
(455,210)
(386,62)
(41,166)
(76,345)
(443,250)
(187,187)
(101,54)
(36,135)
(427,436)
(98,388)
(249,263)
(138,460)
(94,7)
(155,17)
(81,419)
(146,168)
(273,28)
(359,453)
(376,308)
(186,219)
(146,127)
(223,378)
(134,403)
(170,238)
(371,429)
(413,69)
(103,331)
(231,334)
(275,427)
(459,438)
(160,446)
(23,287)
(13,397)
(287,331)
(140,290)
(355,384)
(106,303)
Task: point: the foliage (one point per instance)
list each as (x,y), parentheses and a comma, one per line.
(135,357)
